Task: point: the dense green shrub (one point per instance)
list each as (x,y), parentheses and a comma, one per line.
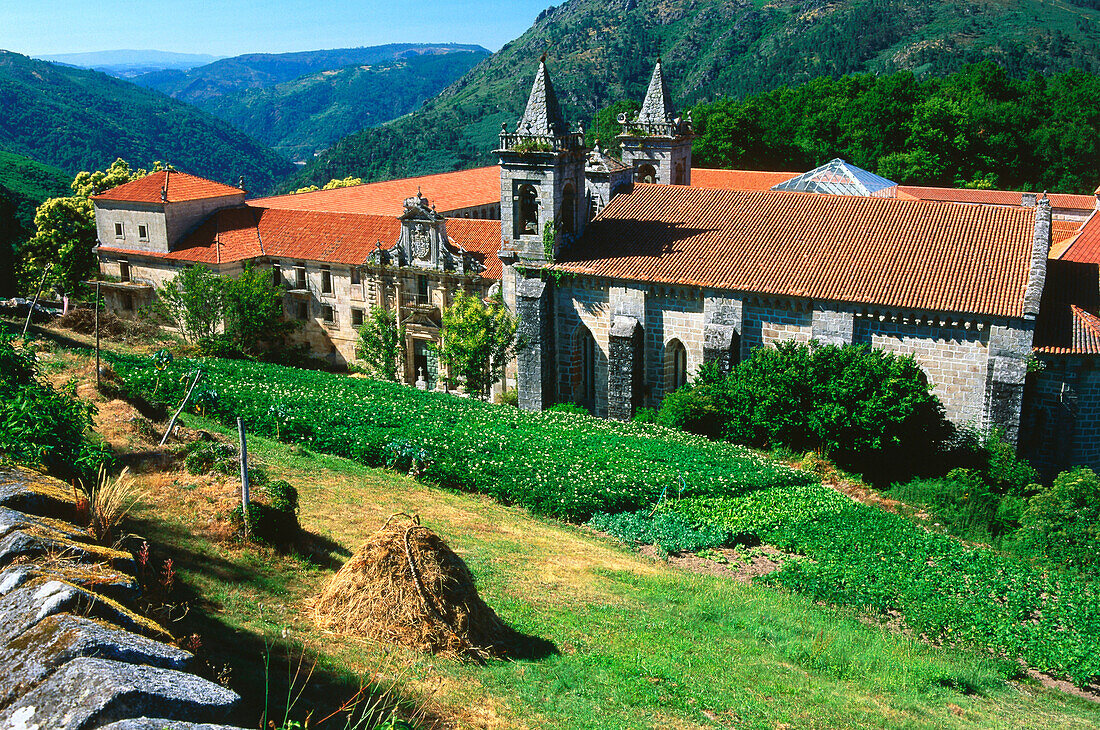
(669,530)
(1062,523)
(568,408)
(561,464)
(864,557)
(44,426)
(272,513)
(870,411)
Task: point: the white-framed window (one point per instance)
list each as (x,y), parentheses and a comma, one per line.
(300,275)
(143,232)
(118,230)
(123,270)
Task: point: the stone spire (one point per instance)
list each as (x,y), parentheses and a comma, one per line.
(543,114)
(657,107)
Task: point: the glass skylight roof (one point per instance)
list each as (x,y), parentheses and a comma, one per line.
(837,177)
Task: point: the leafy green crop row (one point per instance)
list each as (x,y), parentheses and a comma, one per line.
(947,591)
(558,464)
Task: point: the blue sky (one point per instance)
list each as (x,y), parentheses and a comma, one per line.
(232,27)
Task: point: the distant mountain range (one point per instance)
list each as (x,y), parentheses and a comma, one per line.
(76,119)
(300,103)
(127,64)
(602,51)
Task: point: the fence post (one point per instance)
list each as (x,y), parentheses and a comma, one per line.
(244,474)
(186,397)
(34,304)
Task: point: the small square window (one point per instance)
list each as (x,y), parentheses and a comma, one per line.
(328,314)
(303,310)
(356,317)
(118,230)
(143,233)
(326,280)
(124,270)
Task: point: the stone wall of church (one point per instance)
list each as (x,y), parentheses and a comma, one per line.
(1061,423)
(954,358)
(671,313)
(768,322)
(578,307)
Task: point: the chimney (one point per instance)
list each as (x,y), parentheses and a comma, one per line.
(1028,200)
(164,194)
(240,182)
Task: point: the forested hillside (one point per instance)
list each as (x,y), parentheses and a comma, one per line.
(978,127)
(602,51)
(300,117)
(28,183)
(83,120)
(263,70)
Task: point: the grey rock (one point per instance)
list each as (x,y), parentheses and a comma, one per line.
(36,599)
(26,491)
(100,579)
(88,693)
(27,660)
(34,541)
(145,723)
(11,520)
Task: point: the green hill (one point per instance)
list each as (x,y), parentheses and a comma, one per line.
(81,120)
(303,116)
(601,51)
(28,183)
(263,70)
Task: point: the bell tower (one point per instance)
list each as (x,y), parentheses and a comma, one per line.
(541,179)
(657,143)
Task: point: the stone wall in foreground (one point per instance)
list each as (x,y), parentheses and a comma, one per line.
(73,653)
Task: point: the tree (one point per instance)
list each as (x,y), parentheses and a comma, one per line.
(11,233)
(478,340)
(346,182)
(253,311)
(193,302)
(381,344)
(605,125)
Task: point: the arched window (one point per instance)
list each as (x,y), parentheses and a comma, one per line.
(675,365)
(568,209)
(586,354)
(528,210)
(647,174)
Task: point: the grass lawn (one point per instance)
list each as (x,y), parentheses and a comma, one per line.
(639,644)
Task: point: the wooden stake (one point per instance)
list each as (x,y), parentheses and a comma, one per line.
(34,304)
(244,474)
(187,397)
(97,335)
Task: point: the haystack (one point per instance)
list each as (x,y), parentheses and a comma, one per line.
(405,586)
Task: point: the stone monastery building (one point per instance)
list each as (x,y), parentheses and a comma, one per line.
(627,275)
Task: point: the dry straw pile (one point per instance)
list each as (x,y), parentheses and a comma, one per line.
(405,586)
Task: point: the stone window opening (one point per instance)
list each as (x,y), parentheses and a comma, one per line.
(528,221)
(143,232)
(124,271)
(569,209)
(423,291)
(303,311)
(675,365)
(355,277)
(118,230)
(647,174)
(328,314)
(586,392)
(300,275)
(128,302)
(326,280)
(356,317)
(678,176)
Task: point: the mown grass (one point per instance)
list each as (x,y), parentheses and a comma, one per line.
(639,644)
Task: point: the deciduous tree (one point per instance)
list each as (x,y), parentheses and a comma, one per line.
(381,344)
(478,340)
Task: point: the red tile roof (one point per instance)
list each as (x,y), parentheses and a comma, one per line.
(179,185)
(702,177)
(993,197)
(248,232)
(1083,247)
(480,237)
(1070,286)
(447,191)
(897,253)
